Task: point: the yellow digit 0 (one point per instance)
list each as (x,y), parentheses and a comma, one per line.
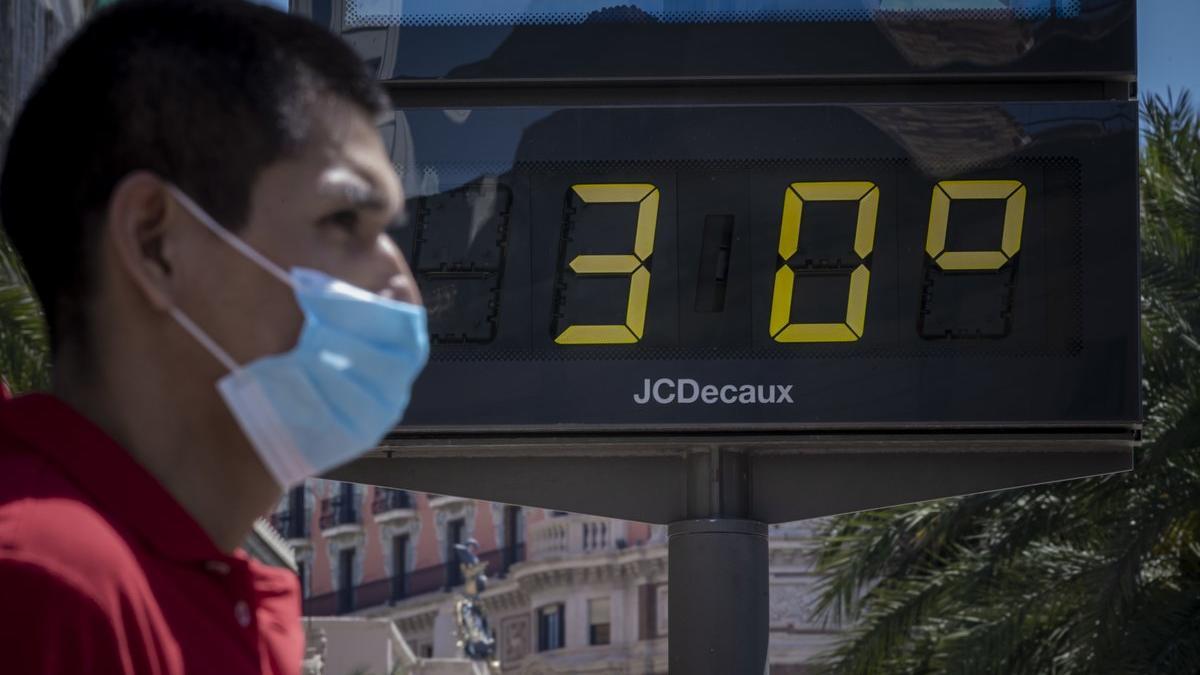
(646,197)
(851,329)
(1013,194)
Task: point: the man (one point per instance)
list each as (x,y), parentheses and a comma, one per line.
(200,196)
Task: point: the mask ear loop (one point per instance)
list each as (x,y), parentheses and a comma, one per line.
(205,341)
(229,237)
(241,247)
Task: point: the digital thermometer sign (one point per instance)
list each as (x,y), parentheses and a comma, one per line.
(722,263)
(785,217)
(664,267)
(759,260)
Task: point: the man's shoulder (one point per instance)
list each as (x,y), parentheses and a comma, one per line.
(74,576)
(47,522)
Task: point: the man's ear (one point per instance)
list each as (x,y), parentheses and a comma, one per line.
(141,214)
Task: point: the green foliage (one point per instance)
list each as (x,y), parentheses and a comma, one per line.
(1093,576)
(24,347)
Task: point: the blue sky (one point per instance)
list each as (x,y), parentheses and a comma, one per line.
(1169,45)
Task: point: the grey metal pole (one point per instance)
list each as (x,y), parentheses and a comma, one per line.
(717,598)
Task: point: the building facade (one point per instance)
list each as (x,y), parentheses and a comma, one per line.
(568,593)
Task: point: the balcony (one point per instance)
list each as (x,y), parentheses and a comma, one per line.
(293,525)
(391,590)
(575,535)
(389,505)
(339,515)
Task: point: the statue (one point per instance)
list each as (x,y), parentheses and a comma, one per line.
(474,635)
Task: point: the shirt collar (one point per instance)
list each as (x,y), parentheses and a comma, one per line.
(123,489)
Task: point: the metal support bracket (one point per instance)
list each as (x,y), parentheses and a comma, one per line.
(718,494)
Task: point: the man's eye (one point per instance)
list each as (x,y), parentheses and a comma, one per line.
(344,220)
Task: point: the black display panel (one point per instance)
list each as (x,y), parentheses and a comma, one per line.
(773,267)
(581,40)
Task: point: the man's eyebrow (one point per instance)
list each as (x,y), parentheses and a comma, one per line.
(350,188)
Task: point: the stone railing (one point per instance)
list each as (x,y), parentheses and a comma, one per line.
(574,535)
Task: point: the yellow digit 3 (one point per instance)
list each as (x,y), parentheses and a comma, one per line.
(646,197)
(851,328)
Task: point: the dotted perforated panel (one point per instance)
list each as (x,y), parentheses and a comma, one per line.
(380,13)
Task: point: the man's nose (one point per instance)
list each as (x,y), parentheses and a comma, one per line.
(397,279)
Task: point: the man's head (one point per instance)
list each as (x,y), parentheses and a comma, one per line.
(268,123)
(242,107)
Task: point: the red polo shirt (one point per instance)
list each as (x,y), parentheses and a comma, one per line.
(102,571)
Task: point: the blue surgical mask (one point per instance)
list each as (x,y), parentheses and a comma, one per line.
(343,386)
